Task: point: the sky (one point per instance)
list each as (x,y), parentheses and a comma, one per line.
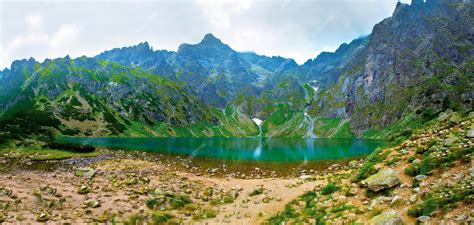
(298,29)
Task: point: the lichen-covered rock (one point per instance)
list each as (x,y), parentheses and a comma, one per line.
(84,172)
(470,133)
(43,217)
(390,217)
(256,191)
(3,217)
(83,190)
(93,203)
(386,178)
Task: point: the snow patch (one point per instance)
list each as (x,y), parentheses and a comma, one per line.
(257,121)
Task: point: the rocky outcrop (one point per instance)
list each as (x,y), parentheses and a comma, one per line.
(384,179)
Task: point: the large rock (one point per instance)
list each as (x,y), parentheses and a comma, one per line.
(470,133)
(386,178)
(84,172)
(390,217)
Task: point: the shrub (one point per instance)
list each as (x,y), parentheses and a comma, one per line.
(308,197)
(412,170)
(159,218)
(287,213)
(329,189)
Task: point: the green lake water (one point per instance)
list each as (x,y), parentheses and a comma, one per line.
(245,149)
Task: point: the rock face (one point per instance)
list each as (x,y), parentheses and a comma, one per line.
(213,69)
(403,66)
(391,217)
(386,178)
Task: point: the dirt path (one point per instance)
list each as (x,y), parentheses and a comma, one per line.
(280,191)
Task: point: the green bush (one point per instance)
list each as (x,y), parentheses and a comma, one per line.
(287,213)
(329,189)
(412,170)
(159,218)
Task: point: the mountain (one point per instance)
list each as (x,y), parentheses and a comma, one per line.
(414,65)
(327,66)
(213,70)
(143,56)
(90,97)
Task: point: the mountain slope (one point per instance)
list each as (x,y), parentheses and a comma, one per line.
(85,96)
(419,60)
(426,178)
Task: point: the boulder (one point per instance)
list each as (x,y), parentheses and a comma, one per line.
(470,133)
(84,172)
(256,191)
(93,203)
(390,217)
(42,217)
(3,217)
(353,164)
(384,179)
(83,190)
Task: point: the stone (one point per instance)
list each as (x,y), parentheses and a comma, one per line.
(3,217)
(470,133)
(256,191)
(471,171)
(353,164)
(83,190)
(413,198)
(423,219)
(306,177)
(416,161)
(84,172)
(396,199)
(93,203)
(42,217)
(384,179)
(421,177)
(238,188)
(451,140)
(213,170)
(390,217)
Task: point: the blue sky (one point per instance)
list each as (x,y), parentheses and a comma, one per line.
(298,29)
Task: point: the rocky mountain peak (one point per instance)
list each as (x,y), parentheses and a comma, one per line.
(210,39)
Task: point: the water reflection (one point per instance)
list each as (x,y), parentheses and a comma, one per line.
(259,149)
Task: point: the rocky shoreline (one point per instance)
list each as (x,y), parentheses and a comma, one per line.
(129,186)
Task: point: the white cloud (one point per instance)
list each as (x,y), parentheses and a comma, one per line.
(65,34)
(220,12)
(34,20)
(49,44)
(299,29)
